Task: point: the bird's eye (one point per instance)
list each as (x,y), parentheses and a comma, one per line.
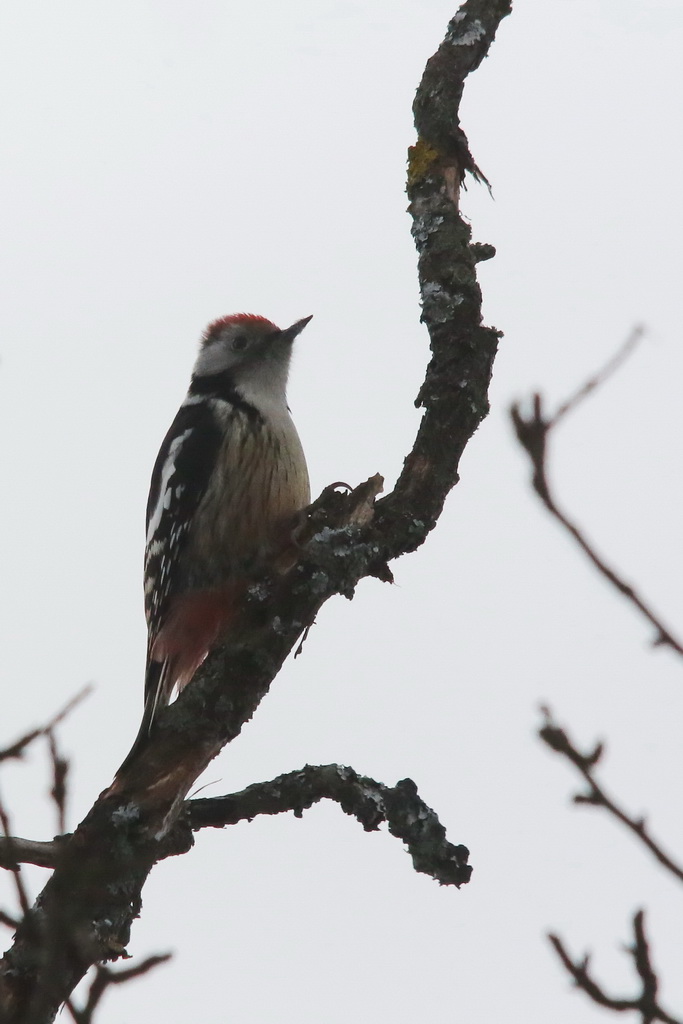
(239,343)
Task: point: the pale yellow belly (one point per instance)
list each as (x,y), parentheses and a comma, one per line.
(248,514)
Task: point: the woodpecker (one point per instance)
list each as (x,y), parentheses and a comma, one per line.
(226,487)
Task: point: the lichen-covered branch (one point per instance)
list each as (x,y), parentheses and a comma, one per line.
(87,907)
(454,394)
(370,802)
(645,1003)
(441,139)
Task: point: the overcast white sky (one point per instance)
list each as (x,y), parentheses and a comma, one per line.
(168,162)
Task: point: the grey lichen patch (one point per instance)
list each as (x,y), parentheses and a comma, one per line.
(438,303)
(340,554)
(430,223)
(423,227)
(319,582)
(331,535)
(258,593)
(126,814)
(343,560)
(372,795)
(467,35)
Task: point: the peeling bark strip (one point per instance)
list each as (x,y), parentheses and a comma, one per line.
(85,911)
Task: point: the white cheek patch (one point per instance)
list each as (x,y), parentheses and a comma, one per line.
(165,488)
(213,358)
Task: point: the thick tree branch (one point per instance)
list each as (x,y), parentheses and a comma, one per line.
(370,802)
(437,103)
(596,796)
(88,905)
(645,1003)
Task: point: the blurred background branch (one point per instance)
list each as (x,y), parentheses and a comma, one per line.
(532,433)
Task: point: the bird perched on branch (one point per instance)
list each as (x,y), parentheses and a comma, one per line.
(228,482)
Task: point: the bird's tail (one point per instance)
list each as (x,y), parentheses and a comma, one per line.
(157,696)
(193,626)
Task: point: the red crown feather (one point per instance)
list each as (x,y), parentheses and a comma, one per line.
(234,318)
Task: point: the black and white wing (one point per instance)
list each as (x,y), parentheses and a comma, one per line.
(180,478)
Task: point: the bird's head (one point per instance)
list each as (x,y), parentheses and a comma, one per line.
(249,351)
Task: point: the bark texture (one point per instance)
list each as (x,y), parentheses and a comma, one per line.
(84,914)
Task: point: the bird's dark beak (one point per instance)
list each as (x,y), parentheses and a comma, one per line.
(290,333)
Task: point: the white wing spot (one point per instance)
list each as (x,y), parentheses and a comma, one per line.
(166,492)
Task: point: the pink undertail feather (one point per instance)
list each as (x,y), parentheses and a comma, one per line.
(195,624)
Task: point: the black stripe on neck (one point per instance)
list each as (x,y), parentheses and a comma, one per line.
(222,385)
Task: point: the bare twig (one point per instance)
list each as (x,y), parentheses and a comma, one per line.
(645,1003)
(104,979)
(17,748)
(602,375)
(12,863)
(370,802)
(557,739)
(60,768)
(13,850)
(532,432)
